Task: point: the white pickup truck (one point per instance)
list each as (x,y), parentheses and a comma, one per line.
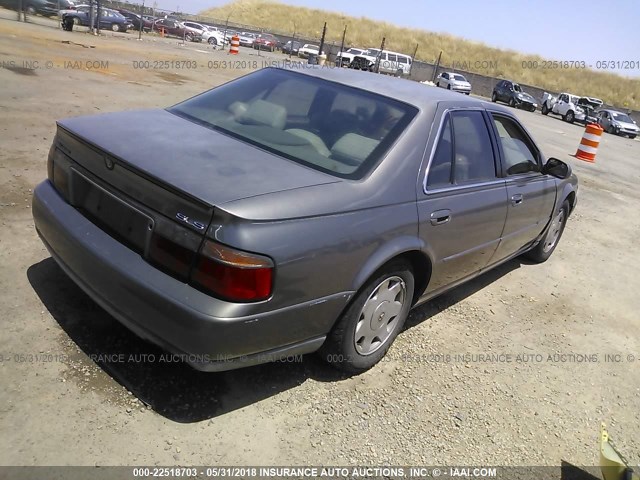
(571,108)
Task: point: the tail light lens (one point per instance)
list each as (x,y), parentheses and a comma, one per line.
(50,162)
(232,274)
(170,256)
(57,171)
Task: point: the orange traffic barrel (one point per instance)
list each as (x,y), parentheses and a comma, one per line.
(589,143)
(235,45)
(162,31)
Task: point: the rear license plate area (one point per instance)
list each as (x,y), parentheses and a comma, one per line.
(116,217)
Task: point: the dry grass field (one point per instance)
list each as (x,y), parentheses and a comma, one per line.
(278,17)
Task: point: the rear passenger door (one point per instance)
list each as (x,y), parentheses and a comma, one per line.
(531,194)
(462,206)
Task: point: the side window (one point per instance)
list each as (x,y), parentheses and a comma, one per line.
(392,57)
(519,154)
(440,168)
(403,60)
(464,153)
(445,76)
(473,153)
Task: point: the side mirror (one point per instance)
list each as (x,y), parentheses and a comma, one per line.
(557,168)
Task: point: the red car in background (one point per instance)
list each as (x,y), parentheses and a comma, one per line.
(266,41)
(178,29)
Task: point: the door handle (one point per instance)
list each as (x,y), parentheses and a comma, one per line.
(516,199)
(440,217)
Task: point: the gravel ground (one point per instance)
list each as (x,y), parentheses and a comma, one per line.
(433,401)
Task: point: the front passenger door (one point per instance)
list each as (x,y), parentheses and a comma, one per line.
(531,194)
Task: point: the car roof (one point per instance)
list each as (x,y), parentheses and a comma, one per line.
(407,91)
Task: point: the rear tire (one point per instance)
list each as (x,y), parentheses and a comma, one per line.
(115,27)
(212,41)
(370,324)
(543,250)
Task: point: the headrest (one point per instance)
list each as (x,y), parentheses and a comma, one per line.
(354,147)
(262,112)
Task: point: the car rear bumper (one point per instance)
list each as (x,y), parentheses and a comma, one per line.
(212,335)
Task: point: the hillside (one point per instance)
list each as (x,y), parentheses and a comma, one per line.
(279,18)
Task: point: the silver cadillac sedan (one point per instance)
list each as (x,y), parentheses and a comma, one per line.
(294,210)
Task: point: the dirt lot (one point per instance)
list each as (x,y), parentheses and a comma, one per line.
(60,407)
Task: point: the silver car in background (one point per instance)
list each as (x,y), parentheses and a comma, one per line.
(453,81)
(303,209)
(617,123)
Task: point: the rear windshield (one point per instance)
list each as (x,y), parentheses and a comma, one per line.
(327,126)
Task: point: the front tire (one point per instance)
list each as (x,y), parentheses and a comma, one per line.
(543,250)
(494,97)
(632,137)
(115,27)
(569,116)
(544,110)
(512,103)
(449,87)
(372,321)
(212,41)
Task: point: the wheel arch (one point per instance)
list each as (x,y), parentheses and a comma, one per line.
(571,198)
(408,249)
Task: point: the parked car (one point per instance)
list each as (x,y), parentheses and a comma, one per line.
(207,33)
(617,123)
(109,19)
(41,7)
(308,49)
(453,81)
(343,59)
(291,47)
(178,29)
(315,224)
(266,41)
(511,93)
(247,39)
(391,63)
(571,108)
(135,19)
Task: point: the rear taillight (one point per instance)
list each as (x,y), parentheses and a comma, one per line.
(58,171)
(171,256)
(232,274)
(50,162)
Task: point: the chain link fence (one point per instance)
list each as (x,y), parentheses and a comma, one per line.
(421,71)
